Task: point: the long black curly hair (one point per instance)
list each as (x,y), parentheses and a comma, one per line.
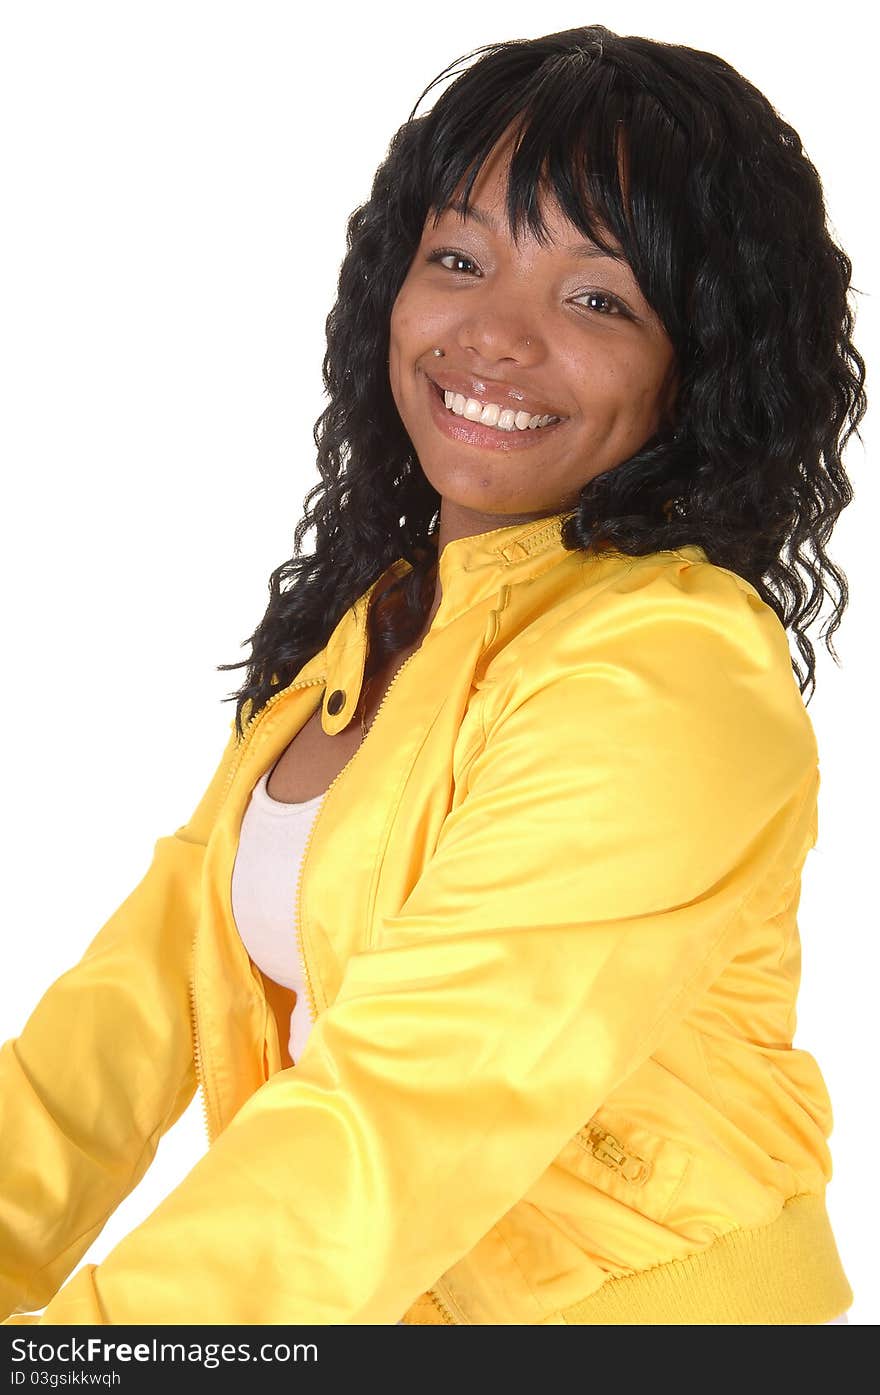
(722,220)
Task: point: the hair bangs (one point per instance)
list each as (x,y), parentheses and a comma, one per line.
(609,155)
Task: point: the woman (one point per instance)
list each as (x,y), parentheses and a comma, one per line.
(521,745)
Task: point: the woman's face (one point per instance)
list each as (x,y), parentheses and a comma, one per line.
(560,329)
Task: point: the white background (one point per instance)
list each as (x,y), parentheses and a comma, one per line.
(176,179)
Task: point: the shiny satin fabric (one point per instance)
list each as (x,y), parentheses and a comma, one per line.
(548,914)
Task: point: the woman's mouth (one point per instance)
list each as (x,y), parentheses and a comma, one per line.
(510,431)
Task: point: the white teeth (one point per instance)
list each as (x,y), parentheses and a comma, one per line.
(490,414)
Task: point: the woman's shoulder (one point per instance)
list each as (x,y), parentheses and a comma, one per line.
(596,599)
(668,628)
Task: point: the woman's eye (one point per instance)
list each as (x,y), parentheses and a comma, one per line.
(614,305)
(443,253)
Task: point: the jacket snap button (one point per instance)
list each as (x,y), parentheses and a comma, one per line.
(335,701)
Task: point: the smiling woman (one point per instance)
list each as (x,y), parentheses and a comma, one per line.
(481,942)
(615,231)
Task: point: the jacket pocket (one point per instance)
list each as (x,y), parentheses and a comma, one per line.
(628,1162)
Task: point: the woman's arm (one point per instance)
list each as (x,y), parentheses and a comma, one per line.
(102,1068)
(648,775)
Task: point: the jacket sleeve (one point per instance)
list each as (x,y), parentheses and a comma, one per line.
(646,772)
(80,1121)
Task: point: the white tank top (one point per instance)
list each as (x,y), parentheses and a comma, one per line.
(267,863)
(270,849)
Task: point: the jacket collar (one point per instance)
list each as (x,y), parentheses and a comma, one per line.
(474,567)
(471,569)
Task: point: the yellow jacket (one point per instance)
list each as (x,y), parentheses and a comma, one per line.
(548,916)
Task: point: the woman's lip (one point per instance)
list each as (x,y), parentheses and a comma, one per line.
(474,434)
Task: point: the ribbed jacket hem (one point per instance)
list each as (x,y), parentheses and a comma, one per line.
(785,1273)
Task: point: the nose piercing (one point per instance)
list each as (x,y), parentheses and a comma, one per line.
(438,352)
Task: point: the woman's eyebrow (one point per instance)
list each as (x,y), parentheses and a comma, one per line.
(586,250)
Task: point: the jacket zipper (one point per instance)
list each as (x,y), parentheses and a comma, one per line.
(312,1010)
(197,1056)
(247,733)
(310,994)
(444,1311)
(243,744)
